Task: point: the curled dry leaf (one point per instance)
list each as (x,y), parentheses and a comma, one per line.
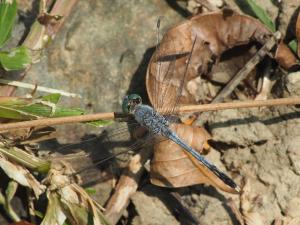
(69,200)
(213,33)
(171,166)
(21,175)
(285,56)
(54,214)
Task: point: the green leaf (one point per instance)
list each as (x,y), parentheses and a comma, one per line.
(11,190)
(251,7)
(16,59)
(53,98)
(25,109)
(101,123)
(39,214)
(293,46)
(90,191)
(61,112)
(25,159)
(9,108)
(80,214)
(8,12)
(29,109)
(54,212)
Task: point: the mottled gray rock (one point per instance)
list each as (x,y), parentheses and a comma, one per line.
(99,50)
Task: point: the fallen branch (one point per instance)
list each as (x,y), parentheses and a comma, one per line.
(56,121)
(126,187)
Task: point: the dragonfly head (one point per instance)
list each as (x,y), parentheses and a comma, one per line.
(129,103)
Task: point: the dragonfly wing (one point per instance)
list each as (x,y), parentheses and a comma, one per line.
(112,140)
(109,150)
(167,75)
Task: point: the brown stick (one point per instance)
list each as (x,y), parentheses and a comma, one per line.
(126,187)
(183,109)
(249,66)
(240,104)
(56,121)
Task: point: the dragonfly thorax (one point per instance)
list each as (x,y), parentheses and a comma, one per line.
(151,119)
(130,102)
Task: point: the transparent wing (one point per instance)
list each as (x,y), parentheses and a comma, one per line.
(110,149)
(166,76)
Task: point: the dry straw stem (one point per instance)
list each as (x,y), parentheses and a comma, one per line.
(38,88)
(182,109)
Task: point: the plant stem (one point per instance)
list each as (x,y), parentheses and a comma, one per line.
(182,109)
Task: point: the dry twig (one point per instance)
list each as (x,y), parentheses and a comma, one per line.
(127,186)
(249,66)
(182,109)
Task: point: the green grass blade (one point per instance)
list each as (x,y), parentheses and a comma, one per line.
(293,46)
(25,159)
(53,98)
(16,59)
(8,12)
(252,8)
(25,109)
(101,123)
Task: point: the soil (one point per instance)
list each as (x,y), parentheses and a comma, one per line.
(102,53)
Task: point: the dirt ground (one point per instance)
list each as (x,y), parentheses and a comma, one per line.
(102,53)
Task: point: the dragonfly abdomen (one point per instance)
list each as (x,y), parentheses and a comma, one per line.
(174,137)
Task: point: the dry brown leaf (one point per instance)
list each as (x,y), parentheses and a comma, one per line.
(216,32)
(171,166)
(21,175)
(284,56)
(70,199)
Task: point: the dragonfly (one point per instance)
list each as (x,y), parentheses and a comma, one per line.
(158,124)
(157,119)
